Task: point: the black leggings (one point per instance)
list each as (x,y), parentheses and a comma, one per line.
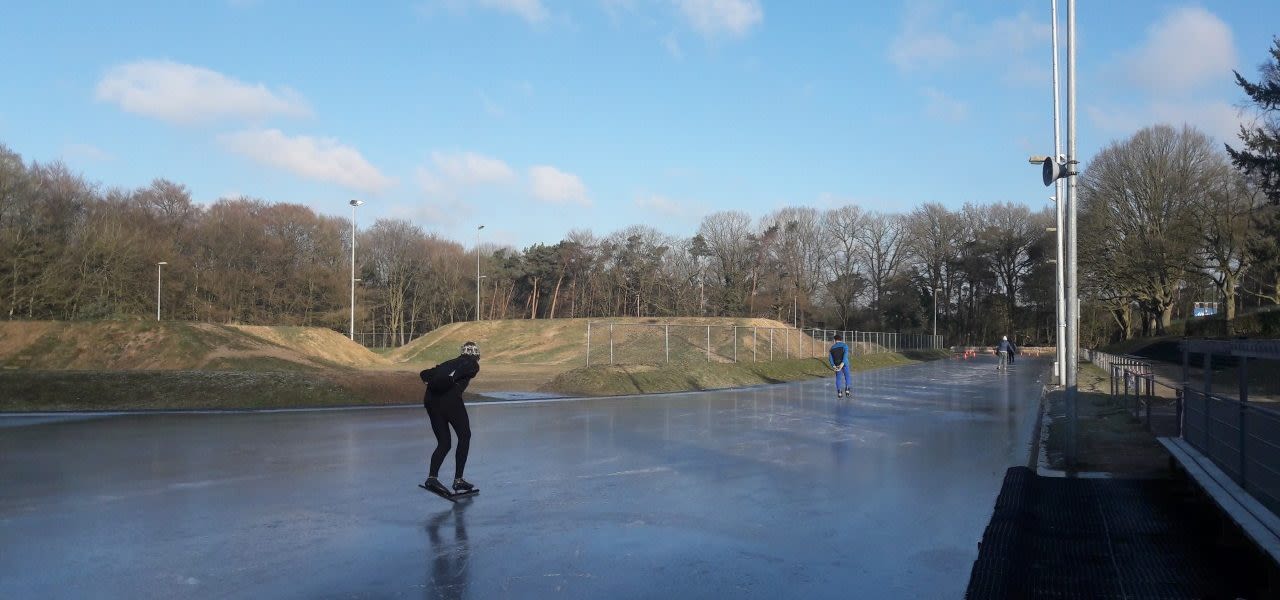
(444,414)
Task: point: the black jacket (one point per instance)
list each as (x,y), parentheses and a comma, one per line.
(447,380)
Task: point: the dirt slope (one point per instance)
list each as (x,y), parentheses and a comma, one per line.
(148,345)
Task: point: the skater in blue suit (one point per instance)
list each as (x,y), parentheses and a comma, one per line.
(838,359)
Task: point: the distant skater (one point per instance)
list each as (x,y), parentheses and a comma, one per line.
(443,401)
(1005,350)
(838,359)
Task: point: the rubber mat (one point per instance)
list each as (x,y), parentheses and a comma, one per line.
(1053,537)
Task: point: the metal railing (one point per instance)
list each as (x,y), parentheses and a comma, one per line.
(1240,437)
(1155,403)
(650,343)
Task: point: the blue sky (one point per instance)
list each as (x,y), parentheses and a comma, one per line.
(535,117)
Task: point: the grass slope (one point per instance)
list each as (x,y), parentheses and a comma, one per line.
(677,377)
(151,345)
(563,341)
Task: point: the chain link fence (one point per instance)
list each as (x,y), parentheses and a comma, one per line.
(660,343)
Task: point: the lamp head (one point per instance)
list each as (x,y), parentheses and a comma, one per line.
(356,203)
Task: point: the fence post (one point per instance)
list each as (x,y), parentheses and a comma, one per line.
(755,344)
(1178,410)
(788,343)
(1243,374)
(708,343)
(588,343)
(770,344)
(1151,394)
(1208,381)
(666,341)
(611,343)
(735,344)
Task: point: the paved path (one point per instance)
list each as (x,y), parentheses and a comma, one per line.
(778,491)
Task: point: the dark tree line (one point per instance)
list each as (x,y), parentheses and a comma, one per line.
(73,250)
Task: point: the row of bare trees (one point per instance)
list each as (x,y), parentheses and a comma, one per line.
(75,251)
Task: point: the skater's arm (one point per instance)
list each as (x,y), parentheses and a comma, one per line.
(467,370)
(426,374)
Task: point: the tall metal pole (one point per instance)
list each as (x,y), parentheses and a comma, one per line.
(1057,201)
(478,271)
(354,204)
(1073,299)
(158,288)
(935,312)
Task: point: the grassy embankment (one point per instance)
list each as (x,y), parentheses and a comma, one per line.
(139,364)
(646,379)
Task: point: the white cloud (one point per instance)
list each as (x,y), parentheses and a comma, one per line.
(713,18)
(491,107)
(916,49)
(452,173)
(944,107)
(672,45)
(932,38)
(1186,49)
(531,11)
(181,93)
(557,187)
(440,214)
(667,207)
(1218,119)
(87,152)
(322,159)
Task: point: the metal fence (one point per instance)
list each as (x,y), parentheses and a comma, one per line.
(1240,436)
(650,343)
(1156,404)
(383,339)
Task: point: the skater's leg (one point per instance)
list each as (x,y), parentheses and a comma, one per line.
(842,376)
(462,426)
(439,426)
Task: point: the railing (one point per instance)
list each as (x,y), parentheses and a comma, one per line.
(1240,437)
(649,343)
(1155,403)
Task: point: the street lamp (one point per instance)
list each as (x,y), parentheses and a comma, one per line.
(478,271)
(354,204)
(158,288)
(935,312)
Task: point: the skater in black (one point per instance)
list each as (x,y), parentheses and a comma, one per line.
(443,401)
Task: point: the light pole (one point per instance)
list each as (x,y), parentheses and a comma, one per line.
(158,265)
(935,312)
(354,204)
(1058,206)
(1071,290)
(478,271)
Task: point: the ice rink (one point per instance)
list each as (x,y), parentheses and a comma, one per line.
(777,491)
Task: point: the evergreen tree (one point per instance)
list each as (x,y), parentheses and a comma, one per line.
(1260,157)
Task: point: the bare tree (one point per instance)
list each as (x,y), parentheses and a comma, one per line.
(879,244)
(1139,196)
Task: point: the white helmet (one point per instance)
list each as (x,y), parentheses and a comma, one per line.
(471,349)
(1005,338)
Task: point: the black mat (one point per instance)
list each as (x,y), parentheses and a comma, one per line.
(1108,538)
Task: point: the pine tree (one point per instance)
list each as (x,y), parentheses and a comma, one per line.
(1260,158)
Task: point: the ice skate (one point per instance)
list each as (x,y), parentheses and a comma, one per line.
(434,486)
(461,485)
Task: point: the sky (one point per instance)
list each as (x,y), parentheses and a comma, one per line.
(537,117)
